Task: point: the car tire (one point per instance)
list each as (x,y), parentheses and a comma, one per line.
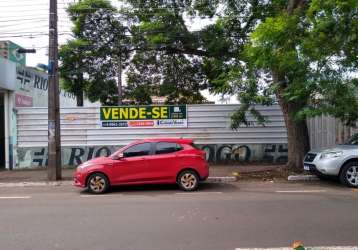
(188,180)
(349,174)
(97,183)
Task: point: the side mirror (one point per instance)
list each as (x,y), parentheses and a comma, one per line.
(118,157)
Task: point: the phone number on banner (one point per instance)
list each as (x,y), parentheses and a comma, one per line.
(146,123)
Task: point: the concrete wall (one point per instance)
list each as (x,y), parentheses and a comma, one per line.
(83,137)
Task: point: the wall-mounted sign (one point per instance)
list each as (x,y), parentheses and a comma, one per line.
(23,100)
(9,50)
(144,116)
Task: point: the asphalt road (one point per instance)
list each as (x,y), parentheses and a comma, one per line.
(219,216)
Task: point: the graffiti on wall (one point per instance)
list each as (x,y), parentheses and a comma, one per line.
(71,156)
(227,153)
(217,153)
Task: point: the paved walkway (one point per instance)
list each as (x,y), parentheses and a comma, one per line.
(40,175)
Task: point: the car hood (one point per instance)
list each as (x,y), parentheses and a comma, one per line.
(96,161)
(341,147)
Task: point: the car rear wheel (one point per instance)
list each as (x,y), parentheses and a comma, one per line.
(98,183)
(349,174)
(188,180)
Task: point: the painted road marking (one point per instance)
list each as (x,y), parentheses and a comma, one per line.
(190,193)
(99,195)
(15,197)
(301,191)
(310,248)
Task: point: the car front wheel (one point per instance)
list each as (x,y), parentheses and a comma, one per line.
(349,174)
(188,180)
(98,183)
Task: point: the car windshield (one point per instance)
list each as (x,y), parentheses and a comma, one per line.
(353,140)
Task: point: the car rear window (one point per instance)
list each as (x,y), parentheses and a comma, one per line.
(167,147)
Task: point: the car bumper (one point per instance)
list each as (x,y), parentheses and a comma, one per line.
(79,180)
(324,167)
(203,178)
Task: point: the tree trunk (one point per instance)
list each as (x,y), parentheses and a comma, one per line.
(297,134)
(119,75)
(79,92)
(79,98)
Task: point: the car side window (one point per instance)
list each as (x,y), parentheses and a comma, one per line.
(166,148)
(138,150)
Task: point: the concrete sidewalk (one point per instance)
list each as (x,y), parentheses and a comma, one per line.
(218,173)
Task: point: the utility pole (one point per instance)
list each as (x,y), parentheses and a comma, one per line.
(54,141)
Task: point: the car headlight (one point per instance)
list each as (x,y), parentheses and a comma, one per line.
(83,166)
(79,167)
(333,154)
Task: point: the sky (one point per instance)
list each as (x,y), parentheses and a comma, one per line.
(25,22)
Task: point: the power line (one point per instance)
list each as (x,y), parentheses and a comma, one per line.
(19,23)
(67,25)
(23,20)
(29,5)
(105,8)
(21,16)
(32,35)
(30,19)
(28,10)
(22,31)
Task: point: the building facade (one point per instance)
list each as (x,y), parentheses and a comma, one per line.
(20,86)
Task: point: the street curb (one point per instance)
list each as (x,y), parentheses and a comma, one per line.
(302,178)
(36,184)
(223,179)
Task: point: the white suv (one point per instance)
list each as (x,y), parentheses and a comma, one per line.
(340,161)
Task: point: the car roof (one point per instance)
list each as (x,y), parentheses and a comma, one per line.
(176,140)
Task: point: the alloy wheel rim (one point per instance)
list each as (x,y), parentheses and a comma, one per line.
(97,184)
(352,175)
(188,180)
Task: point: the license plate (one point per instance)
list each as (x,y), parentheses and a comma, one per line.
(306,167)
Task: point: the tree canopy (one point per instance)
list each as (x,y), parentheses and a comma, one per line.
(301,54)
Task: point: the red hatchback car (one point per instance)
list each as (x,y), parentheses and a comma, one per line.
(149,161)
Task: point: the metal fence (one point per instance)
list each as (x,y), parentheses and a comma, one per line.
(207,124)
(327,131)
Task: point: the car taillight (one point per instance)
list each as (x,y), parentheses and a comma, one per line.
(203,155)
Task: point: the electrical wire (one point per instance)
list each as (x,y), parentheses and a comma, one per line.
(33,35)
(25,16)
(22,31)
(31,5)
(23,20)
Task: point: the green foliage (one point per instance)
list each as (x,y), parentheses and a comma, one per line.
(72,66)
(311,57)
(158,74)
(81,10)
(301,53)
(89,62)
